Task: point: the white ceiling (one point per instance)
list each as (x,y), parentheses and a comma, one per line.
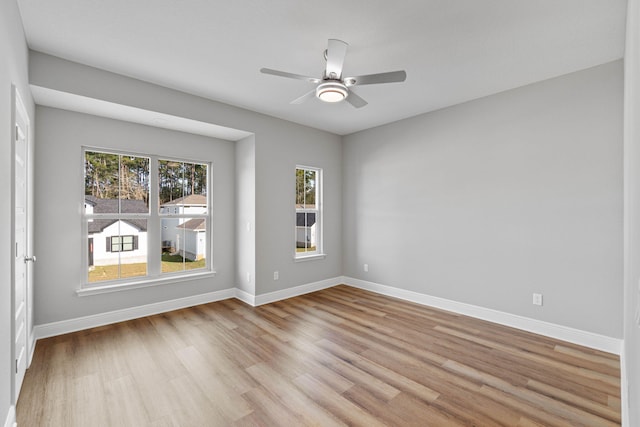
(453,50)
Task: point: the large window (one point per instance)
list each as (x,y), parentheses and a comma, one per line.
(308,240)
(145,216)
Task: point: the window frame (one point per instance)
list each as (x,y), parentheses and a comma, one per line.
(318,211)
(190,216)
(154,275)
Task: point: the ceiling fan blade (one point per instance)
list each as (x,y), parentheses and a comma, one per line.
(336,51)
(355,100)
(288,75)
(304,97)
(373,79)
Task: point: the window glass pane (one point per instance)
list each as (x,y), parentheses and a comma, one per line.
(184,244)
(127,243)
(134,183)
(101,182)
(306,232)
(117,249)
(306,188)
(116,183)
(182,187)
(115,243)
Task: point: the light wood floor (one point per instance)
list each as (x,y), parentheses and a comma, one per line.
(340,356)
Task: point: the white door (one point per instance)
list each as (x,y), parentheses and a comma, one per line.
(21,258)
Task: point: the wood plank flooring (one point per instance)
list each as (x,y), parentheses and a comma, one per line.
(341,356)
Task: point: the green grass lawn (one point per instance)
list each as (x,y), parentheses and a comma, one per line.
(170,264)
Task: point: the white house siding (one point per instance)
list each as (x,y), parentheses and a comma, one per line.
(182,209)
(191,247)
(194,247)
(193,210)
(119,228)
(302,233)
(169,231)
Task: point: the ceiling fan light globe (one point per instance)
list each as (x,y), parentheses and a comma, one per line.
(331,92)
(331,96)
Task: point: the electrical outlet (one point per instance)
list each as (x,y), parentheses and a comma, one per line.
(365,267)
(537,299)
(248,277)
(276,275)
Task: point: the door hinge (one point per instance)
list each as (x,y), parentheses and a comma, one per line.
(16,366)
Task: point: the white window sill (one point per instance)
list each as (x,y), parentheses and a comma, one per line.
(143,283)
(310,257)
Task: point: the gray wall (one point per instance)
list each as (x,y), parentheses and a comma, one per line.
(489,201)
(246,214)
(13,71)
(279,145)
(632,213)
(275,219)
(59,189)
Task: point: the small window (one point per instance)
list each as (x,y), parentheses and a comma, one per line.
(308,240)
(122,243)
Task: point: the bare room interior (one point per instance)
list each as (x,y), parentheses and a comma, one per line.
(349,213)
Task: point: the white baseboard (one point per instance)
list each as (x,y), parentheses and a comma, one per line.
(72,325)
(78,324)
(10,421)
(564,333)
(296,291)
(587,339)
(245,297)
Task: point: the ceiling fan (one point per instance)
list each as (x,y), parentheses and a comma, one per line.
(332,87)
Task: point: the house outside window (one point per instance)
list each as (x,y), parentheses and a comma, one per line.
(308,232)
(184,232)
(144,217)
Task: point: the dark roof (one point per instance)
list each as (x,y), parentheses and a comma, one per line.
(97,225)
(191,199)
(311,219)
(195,224)
(111,205)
